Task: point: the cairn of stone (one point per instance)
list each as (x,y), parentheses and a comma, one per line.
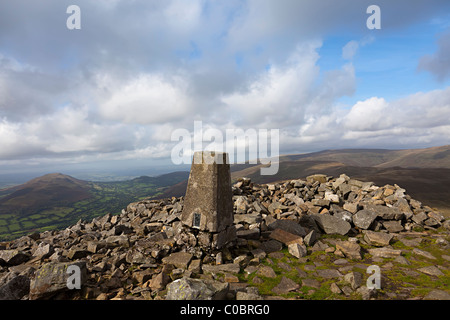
(208,205)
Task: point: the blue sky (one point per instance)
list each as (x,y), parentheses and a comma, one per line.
(115,90)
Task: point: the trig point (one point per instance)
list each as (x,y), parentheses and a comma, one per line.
(208,205)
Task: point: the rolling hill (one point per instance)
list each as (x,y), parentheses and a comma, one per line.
(57,200)
(53,189)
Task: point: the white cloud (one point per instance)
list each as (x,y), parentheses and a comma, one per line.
(146,99)
(370,114)
(350,49)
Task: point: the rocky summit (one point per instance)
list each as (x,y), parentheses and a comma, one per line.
(318,238)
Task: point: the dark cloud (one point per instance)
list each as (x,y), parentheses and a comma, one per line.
(438,63)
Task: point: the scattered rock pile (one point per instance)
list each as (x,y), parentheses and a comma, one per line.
(147,253)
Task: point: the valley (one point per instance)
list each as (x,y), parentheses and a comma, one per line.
(55,201)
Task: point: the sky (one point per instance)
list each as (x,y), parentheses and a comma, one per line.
(108,96)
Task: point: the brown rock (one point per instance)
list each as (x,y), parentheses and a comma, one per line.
(286,237)
(178,259)
(378,238)
(286,285)
(350,249)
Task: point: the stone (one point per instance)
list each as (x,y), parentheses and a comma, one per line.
(436,216)
(274,206)
(159,281)
(143,276)
(15,287)
(431,222)
(386,213)
(248,234)
(286,285)
(351,207)
(221,268)
(266,271)
(333,198)
(328,273)
(308,282)
(43,251)
(355,279)
(77,253)
(419,218)
(224,237)
(13,257)
(385,252)
(350,249)
(297,250)
(289,226)
(285,237)
(240,295)
(344,215)
(393,226)
(377,238)
(404,207)
(250,218)
(295,199)
(437,295)
(51,278)
(424,254)
(334,288)
(363,219)
(340,261)
(432,271)
(208,204)
(332,225)
(320,202)
(367,293)
(310,238)
(402,260)
(271,246)
(196,289)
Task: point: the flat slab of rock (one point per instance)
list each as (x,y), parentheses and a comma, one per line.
(378,238)
(328,273)
(289,226)
(432,271)
(363,219)
(52,278)
(350,249)
(332,225)
(286,285)
(13,257)
(385,252)
(15,288)
(424,254)
(266,271)
(437,295)
(393,226)
(286,237)
(178,259)
(220,268)
(196,289)
(271,246)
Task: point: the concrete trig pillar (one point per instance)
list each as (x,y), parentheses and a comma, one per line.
(208,203)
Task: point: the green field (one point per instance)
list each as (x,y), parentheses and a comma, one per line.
(106,197)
